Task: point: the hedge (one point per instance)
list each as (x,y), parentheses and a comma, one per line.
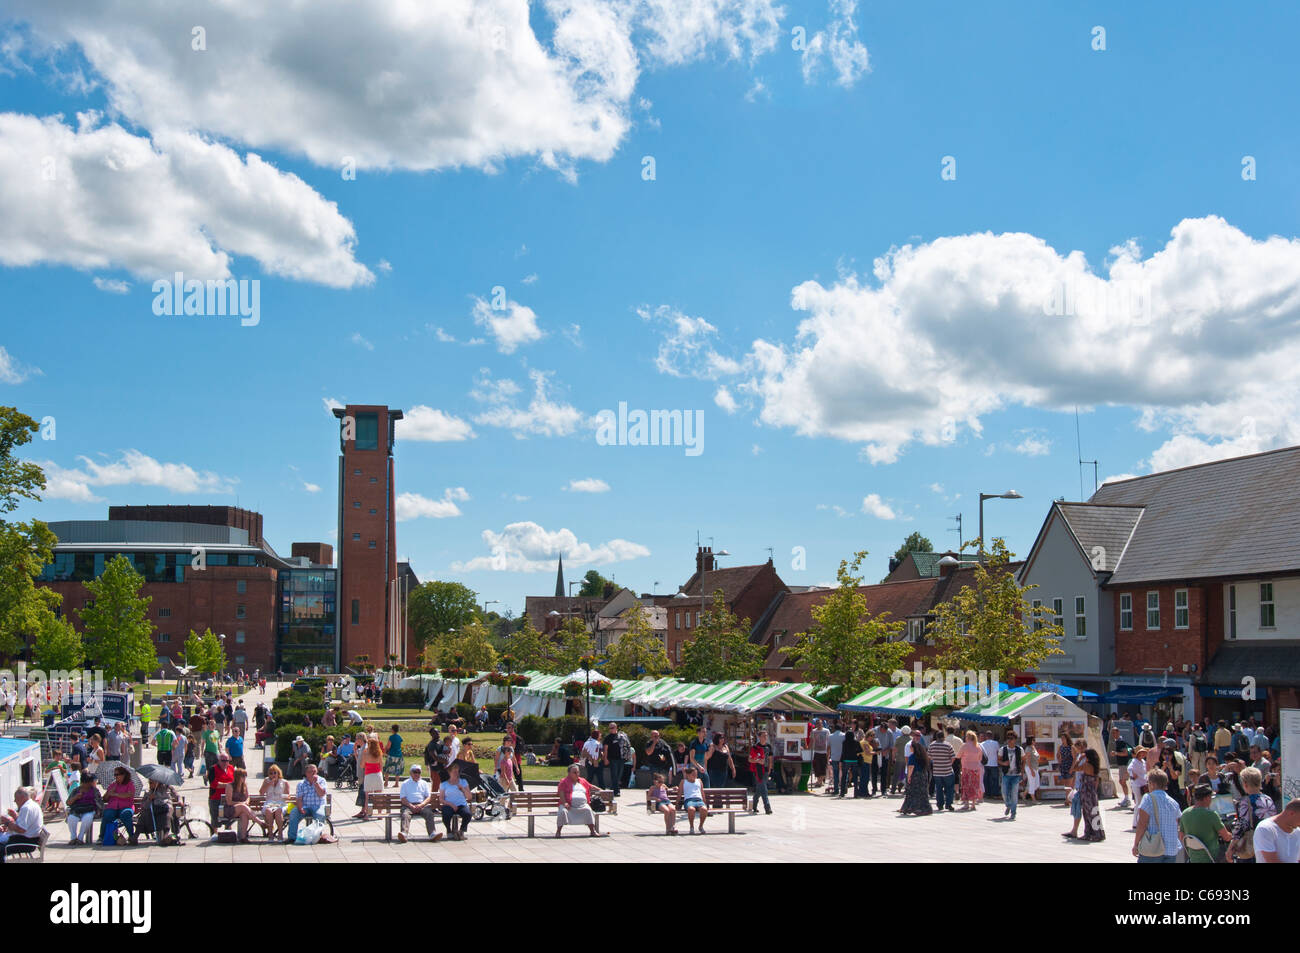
(403,698)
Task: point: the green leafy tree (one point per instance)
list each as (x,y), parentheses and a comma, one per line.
(473,643)
(116,628)
(530,648)
(205,652)
(571,643)
(435,608)
(25,547)
(593,585)
(58,646)
(721,649)
(848,646)
(915,543)
(638,651)
(990,625)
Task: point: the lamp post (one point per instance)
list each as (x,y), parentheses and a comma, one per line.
(586,683)
(1009,495)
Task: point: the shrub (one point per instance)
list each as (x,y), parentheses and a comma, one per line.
(466,710)
(403,698)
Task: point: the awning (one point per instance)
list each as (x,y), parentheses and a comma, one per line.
(1139,695)
(1065,691)
(896,700)
(1004,707)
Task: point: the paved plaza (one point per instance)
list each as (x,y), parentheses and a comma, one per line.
(806,827)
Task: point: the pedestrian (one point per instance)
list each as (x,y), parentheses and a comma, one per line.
(850,757)
(618,751)
(835,755)
(721,767)
(1031,769)
(593,756)
(1089,804)
(941,770)
(1252,808)
(880,769)
(1203,832)
(576,795)
(235,748)
(1120,754)
(972,771)
(662,802)
(1198,746)
(902,738)
(992,774)
(693,798)
(275,796)
(916,796)
(1277,839)
(417,801)
(698,752)
(1011,763)
(1155,839)
(820,744)
(761,759)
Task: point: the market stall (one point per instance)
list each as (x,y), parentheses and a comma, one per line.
(20,766)
(897,701)
(1042,716)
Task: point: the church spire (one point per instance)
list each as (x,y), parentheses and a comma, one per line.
(559,579)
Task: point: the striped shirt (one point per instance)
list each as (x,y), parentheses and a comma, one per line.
(940,759)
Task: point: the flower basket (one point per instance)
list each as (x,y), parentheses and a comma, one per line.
(573,689)
(519,681)
(501,680)
(600,687)
(454,674)
(497,679)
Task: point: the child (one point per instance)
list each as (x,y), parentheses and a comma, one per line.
(1137,776)
(506,768)
(663,803)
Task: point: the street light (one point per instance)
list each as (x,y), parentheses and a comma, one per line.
(1009,495)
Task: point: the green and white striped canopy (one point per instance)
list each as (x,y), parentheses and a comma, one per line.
(1003,707)
(895,700)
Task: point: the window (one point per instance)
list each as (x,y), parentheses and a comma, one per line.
(1126,610)
(1080,617)
(697,620)
(241,611)
(367,432)
(678,653)
(1153,610)
(1058,614)
(688,620)
(241,586)
(356,537)
(1038,619)
(372,544)
(373,511)
(356,473)
(677,619)
(163,637)
(1267,615)
(914,630)
(356,504)
(374,480)
(1232,612)
(239,660)
(356,611)
(1182,615)
(240,637)
(164,613)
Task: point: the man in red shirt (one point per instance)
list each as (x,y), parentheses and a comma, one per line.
(761,756)
(221,774)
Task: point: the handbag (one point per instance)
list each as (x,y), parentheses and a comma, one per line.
(1244,844)
(598,805)
(1152,843)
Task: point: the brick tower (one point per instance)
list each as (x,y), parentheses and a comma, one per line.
(367,608)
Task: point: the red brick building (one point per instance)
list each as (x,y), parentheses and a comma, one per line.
(750,592)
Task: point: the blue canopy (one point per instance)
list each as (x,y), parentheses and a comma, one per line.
(1065,691)
(1138,695)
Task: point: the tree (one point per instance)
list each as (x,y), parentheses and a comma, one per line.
(205,652)
(638,651)
(848,646)
(721,650)
(530,648)
(471,642)
(915,543)
(25,548)
(990,626)
(58,647)
(571,643)
(116,628)
(593,585)
(435,608)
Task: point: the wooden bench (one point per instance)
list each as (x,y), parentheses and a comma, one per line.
(728,801)
(390,806)
(535,804)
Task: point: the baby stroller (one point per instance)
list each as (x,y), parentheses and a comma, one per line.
(495,801)
(345,775)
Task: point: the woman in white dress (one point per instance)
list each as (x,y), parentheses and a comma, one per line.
(575,802)
(275,790)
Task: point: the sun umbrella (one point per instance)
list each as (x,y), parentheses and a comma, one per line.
(104,775)
(156,772)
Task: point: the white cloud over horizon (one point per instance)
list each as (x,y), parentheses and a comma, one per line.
(528,547)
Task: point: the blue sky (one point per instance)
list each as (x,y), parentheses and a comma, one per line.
(866,339)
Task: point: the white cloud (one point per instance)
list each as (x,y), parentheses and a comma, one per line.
(443,336)
(755,450)
(513,326)
(331,405)
(873,505)
(1033,446)
(724,400)
(132,469)
(14,372)
(839,44)
(153,207)
(527,547)
(589,485)
(425,423)
(686,349)
(410,506)
(114,286)
(936,488)
(543,416)
(530,279)
(360,341)
(385,266)
(1203,336)
(835,508)
(573,334)
(310,487)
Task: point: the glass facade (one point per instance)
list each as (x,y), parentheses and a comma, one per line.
(155,567)
(367,431)
(306,619)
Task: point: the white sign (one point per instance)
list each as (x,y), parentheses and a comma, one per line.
(1289,719)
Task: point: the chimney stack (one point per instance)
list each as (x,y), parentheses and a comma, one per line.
(704,561)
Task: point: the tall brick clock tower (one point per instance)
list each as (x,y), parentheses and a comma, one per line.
(368,611)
